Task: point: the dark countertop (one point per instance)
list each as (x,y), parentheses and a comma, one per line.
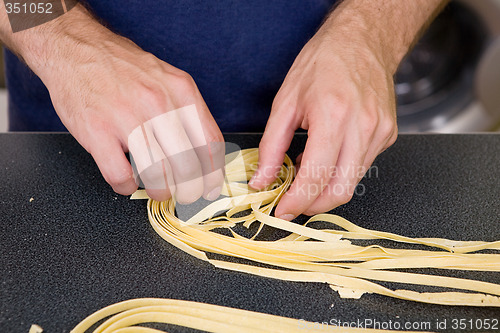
(78,246)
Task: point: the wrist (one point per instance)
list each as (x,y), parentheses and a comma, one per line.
(351,42)
(387,28)
(46,47)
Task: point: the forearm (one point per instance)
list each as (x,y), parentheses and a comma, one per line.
(389,27)
(46,46)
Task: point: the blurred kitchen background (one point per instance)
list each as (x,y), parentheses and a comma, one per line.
(449,83)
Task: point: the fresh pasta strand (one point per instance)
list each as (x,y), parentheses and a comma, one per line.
(122,318)
(326,255)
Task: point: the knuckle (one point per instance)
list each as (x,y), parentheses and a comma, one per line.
(387,127)
(335,106)
(119,178)
(159,195)
(155,177)
(369,123)
(340,193)
(344,198)
(184,83)
(331,102)
(101,126)
(315,174)
(154,95)
(188,171)
(393,138)
(317,179)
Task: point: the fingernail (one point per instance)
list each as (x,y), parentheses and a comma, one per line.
(287,217)
(214,194)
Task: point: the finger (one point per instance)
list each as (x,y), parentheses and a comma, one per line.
(348,172)
(186,169)
(380,143)
(108,154)
(208,143)
(354,161)
(315,171)
(276,140)
(150,163)
(156,180)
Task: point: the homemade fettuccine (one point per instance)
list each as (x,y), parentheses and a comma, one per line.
(326,255)
(125,315)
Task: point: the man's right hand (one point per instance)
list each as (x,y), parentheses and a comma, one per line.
(114,97)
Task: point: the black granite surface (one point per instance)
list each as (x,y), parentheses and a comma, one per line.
(70,246)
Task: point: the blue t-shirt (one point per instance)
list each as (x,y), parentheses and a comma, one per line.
(237,51)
